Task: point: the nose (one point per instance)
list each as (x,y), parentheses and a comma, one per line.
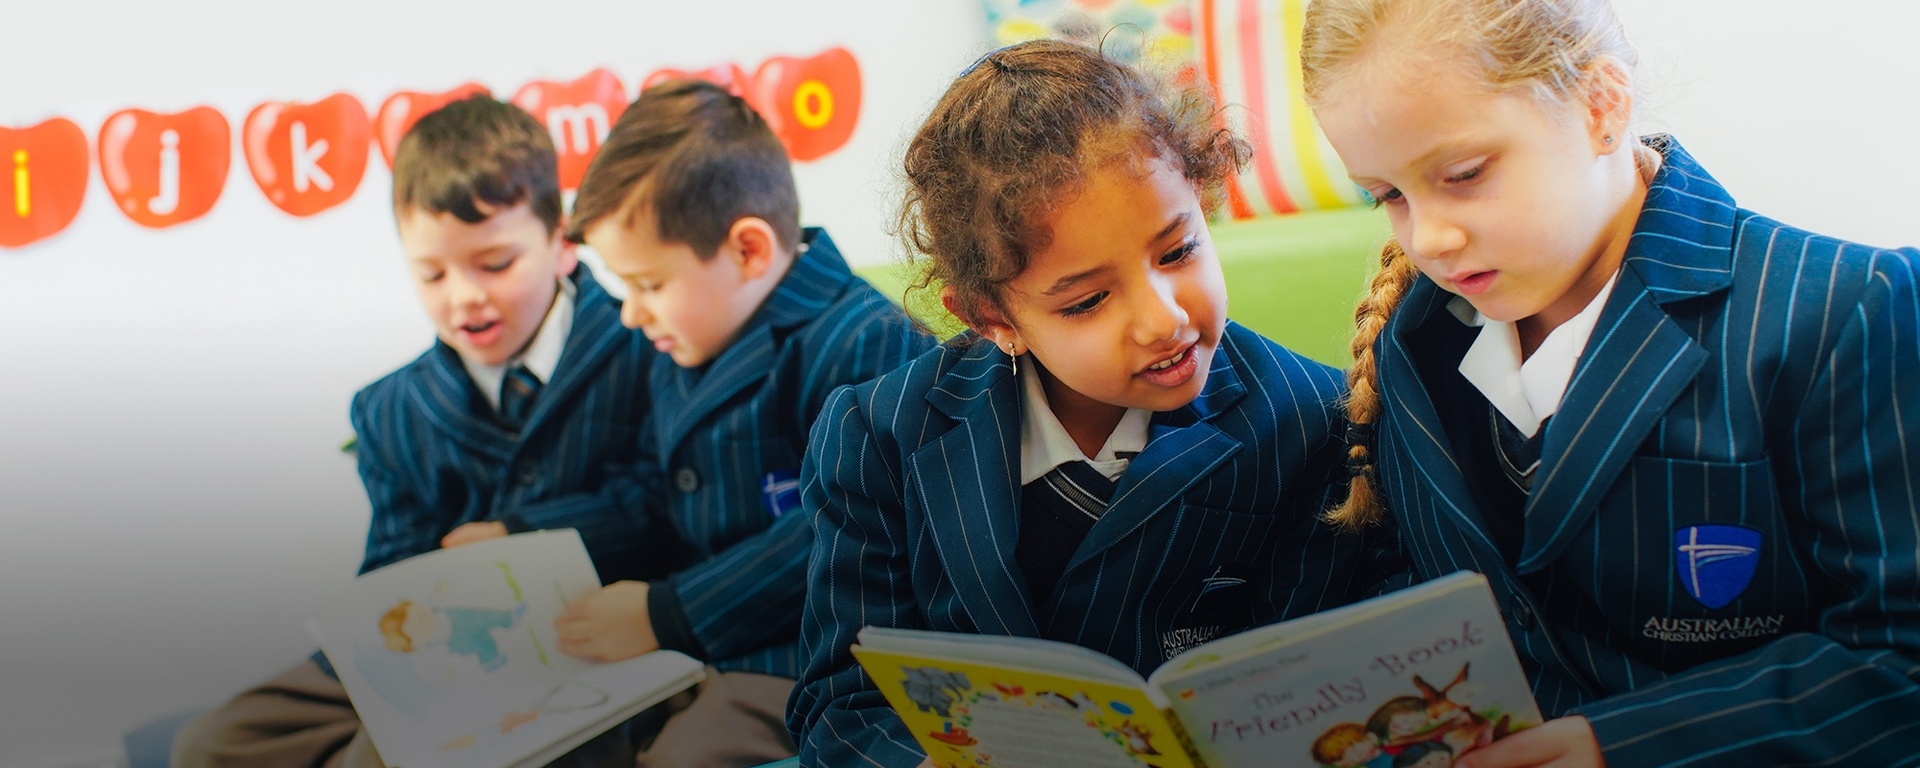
(632,315)
(1158,317)
(464,289)
(1432,233)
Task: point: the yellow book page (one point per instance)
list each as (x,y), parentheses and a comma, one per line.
(972,716)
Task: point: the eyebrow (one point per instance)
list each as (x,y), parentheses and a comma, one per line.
(1429,157)
(1065,283)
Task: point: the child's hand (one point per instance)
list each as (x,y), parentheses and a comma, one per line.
(472,532)
(1567,742)
(609,625)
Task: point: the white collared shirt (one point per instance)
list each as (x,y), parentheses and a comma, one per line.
(541,356)
(1526,392)
(1045,444)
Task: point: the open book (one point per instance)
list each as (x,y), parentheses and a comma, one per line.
(1417,677)
(451,659)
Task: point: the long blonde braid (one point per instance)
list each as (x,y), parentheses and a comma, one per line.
(1390,282)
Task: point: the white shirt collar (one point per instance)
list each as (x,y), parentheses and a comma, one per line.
(541,356)
(1526,393)
(1045,444)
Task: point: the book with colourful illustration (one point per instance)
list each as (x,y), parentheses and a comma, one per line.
(1416,677)
(450,657)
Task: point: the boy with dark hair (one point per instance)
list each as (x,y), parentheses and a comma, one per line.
(691,202)
(524,414)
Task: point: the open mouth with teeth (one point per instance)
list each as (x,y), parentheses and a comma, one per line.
(1171,361)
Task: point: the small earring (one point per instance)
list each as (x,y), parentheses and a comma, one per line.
(1016,358)
(1607,139)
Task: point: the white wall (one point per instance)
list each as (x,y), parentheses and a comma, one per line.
(172,497)
(172,502)
(1806,111)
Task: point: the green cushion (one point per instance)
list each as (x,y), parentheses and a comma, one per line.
(1294,278)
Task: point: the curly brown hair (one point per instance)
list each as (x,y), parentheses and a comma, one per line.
(1015,138)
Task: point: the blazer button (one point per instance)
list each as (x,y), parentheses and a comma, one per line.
(686,480)
(1522,613)
(528,473)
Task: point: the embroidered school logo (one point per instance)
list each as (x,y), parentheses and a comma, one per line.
(1716,562)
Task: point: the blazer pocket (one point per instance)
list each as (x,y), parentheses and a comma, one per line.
(767,464)
(1707,492)
(1208,537)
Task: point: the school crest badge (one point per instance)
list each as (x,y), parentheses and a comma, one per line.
(1715,563)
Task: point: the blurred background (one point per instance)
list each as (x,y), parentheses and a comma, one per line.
(179,342)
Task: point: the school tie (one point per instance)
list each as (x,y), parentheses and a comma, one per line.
(1056,512)
(1519,454)
(517,392)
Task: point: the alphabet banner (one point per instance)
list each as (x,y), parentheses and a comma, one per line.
(307,157)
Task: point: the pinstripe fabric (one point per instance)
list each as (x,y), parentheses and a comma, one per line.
(912,481)
(747,414)
(1742,373)
(433,458)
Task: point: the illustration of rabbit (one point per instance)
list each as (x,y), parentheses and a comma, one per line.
(1450,713)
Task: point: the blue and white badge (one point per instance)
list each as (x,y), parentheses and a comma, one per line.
(781,489)
(1716,562)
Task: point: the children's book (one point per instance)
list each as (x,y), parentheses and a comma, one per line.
(1417,677)
(451,658)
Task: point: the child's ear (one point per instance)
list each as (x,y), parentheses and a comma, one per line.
(1609,101)
(752,243)
(565,256)
(983,319)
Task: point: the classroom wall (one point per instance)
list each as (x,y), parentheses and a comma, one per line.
(172,499)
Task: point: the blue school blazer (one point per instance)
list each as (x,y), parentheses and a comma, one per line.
(1719,556)
(912,481)
(432,456)
(726,441)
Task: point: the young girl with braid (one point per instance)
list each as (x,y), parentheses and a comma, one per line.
(1680,438)
(1103,459)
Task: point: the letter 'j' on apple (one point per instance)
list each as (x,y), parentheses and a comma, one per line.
(308,157)
(165,169)
(46,180)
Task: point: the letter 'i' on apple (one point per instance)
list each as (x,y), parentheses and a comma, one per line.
(45,180)
(22,193)
(163,169)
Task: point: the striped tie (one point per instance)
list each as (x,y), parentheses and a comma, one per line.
(517,392)
(1519,454)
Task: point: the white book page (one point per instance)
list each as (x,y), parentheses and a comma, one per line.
(451,657)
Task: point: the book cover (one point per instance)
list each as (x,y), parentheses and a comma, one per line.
(1418,677)
(450,658)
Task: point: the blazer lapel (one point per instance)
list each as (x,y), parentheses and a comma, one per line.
(456,409)
(1182,450)
(1638,361)
(967,481)
(1423,439)
(596,333)
(818,276)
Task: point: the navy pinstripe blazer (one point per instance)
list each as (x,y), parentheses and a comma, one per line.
(717,432)
(1719,556)
(433,458)
(913,484)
